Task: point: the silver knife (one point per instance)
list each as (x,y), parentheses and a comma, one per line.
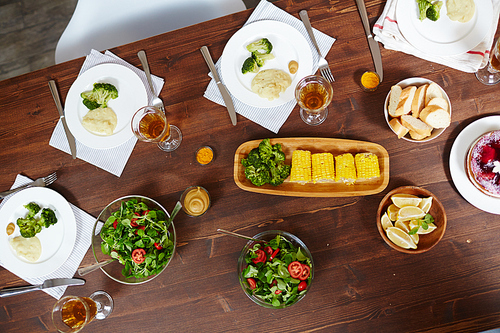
(71,138)
(11,291)
(372,43)
(225,94)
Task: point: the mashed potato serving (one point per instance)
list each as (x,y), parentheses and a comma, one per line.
(100,121)
(270,83)
(461,10)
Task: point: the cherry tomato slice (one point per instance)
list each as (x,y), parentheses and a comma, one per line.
(306,270)
(138,256)
(275,253)
(269,250)
(115,224)
(261,257)
(158,246)
(277,292)
(251,282)
(302,286)
(295,269)
(133,222)
(140,227)
(145,212)
(273,283)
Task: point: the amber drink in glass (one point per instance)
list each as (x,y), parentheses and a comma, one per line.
(490,74)
(150,124)
(313,94)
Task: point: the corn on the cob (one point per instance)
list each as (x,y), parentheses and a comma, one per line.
(367,165)
(344,168)
(301,166)
(322,167)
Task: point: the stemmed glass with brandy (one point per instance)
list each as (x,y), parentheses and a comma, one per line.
(491,74)
(71,313)
(150,124)
(314,94)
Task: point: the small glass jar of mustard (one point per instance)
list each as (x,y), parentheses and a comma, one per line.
(370,81)
(204,155)
(195,201)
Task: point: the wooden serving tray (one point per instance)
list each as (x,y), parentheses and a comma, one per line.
(316,145)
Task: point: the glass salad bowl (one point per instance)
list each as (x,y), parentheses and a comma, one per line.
(144,246)
(283,283)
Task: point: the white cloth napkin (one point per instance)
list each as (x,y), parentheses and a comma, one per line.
(386,31)
(84,225)
(112,160)
(271,118)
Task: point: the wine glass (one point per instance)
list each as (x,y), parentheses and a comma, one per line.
(314,94)
(150,124)
(72,313)
(491,74)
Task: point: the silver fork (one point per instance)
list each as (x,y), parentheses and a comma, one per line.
(157,102)
(322,63)
(43,181)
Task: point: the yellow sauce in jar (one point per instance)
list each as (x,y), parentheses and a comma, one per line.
(196,201)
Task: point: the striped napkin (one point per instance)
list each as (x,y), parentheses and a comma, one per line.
(386,31)
(271,118)
(112,160)
(84,226)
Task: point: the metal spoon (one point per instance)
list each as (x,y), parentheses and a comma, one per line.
(230,233)
(86,270)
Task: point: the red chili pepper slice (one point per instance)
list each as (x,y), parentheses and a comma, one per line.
(274,254)
(115,224)
(138,256)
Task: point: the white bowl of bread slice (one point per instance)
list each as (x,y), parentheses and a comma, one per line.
(417,110)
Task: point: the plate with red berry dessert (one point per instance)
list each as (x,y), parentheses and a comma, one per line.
(475,163)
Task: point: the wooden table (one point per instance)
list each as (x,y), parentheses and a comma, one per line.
(360,284)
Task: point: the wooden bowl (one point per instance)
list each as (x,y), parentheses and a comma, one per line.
(426,242)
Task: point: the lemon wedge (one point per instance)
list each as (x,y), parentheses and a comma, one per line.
(385,221)
(402,200)
(392,211)
(405,226)
(400,238)
(421,230)
(410,212)
(426,204)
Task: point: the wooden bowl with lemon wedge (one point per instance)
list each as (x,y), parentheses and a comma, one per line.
(411,219)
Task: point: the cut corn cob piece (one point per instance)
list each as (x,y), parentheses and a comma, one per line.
(367,165)
(301,166)
(322,167)
(345,170)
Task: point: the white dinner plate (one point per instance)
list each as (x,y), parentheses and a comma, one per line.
(443,37)
(57,240)
(132,96)
(288,44)
(458,172)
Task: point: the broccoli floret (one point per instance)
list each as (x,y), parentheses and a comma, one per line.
(423,5)
(28,227)
(261,59)
(262,46)
(249,66)
(48,217)
(258,176)
(32,208)
(432,12)
(266,150)
(91,105)
(100,94)
(253,158)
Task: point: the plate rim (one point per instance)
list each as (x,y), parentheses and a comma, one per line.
(73,99)
(483,14)
(227,66)
(458,174)
(238,171)
(35,270)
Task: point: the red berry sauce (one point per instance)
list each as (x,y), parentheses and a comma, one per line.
(485,162)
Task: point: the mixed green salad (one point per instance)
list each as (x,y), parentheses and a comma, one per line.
(277,271)
(138,238)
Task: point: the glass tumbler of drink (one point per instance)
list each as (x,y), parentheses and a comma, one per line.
(150,124)
(71,313)
(491,74)
(314,94)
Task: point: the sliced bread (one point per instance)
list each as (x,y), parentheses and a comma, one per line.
(433,91)
(415,136)
(435,116)
(441,102)
(405,101)
(416,125)
(399,129)
(394,100)
(418,100)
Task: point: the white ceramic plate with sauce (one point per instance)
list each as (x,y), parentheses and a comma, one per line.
(57,240)
(443,37)
(458,156)
(288,44)
(132,96)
